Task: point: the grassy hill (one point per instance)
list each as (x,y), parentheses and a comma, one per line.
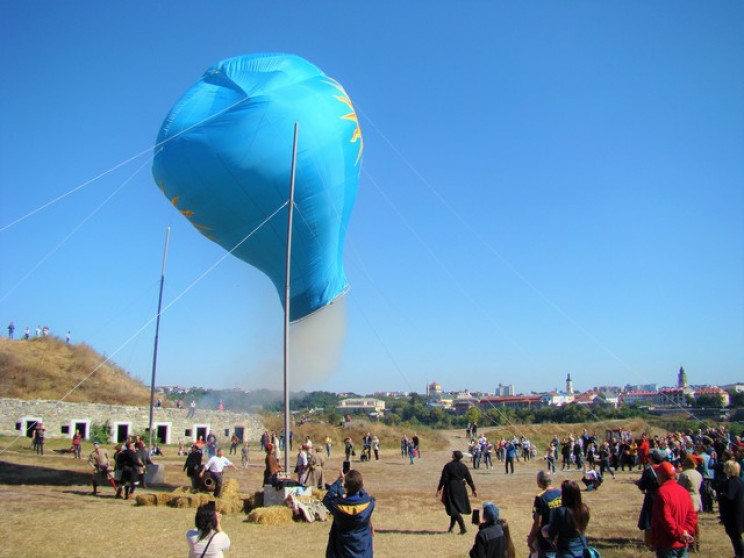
(48,368)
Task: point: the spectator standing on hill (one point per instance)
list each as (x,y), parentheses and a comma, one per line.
(673,521)
(548,499)
(68,337)
(351,508)
(192,409)
(328,445)
(455,475)
(11,329)
(27,334)
(38,331)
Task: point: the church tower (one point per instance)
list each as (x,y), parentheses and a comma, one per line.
(682,378)
(569,384)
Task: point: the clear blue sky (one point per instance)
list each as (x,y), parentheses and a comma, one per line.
(548,188)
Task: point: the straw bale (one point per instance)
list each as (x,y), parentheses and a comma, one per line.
(230,489)
(273,515)
(185,501)
(146,500)
(227,507)
(163,498)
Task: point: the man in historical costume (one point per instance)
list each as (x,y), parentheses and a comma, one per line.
(673,520)
(98,461)
(127,461)
(193,466)
(453,492)
(351,508)
(271,472)
(316,462)
(546,500)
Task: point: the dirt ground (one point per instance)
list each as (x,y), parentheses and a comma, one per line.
(48,509)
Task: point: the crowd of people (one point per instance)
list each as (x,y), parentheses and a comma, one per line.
(681,475)
(125,471)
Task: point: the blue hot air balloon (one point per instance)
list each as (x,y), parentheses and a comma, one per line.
(223,158)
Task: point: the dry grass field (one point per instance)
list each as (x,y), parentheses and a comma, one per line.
(48,509)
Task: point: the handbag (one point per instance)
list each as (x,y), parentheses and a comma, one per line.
(590,551)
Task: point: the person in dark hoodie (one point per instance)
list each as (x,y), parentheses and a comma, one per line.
(351,508)
(491,540)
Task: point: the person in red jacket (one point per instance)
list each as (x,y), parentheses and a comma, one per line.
(673,519)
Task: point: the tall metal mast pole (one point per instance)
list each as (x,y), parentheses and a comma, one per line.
(286,302)
(157,332)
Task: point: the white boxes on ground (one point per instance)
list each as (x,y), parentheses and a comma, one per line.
(277,497)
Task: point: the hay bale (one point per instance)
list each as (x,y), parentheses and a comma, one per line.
(227,507)
(185,501)
(230,489)
(273,515)
(163,498)
(146,500)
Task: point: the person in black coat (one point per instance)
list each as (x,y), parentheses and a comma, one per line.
(452,489)
(731,500)
(490,542)
(193,466)
(127,461)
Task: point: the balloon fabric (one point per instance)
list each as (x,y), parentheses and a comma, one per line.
(224,155)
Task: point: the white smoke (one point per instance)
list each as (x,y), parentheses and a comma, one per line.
(316,344)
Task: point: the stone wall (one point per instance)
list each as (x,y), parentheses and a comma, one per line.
(61,419)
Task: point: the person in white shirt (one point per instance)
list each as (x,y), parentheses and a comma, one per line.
(208,540)
(215,466)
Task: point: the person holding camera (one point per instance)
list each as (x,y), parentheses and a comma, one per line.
(351,508)
(208,540)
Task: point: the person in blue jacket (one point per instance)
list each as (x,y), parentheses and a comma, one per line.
(351,508)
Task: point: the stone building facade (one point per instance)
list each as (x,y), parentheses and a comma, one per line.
(19,417)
